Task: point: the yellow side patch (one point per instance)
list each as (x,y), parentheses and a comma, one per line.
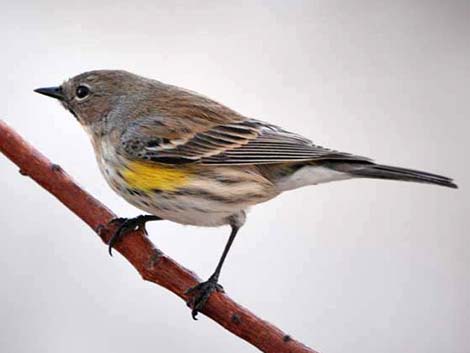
(150,176)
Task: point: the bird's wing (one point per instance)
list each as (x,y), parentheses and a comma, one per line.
(243,142)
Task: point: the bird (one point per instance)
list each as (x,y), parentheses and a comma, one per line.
(180,156)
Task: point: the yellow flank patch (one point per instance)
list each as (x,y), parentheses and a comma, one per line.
(150,176)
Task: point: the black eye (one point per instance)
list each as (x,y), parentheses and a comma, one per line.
(82,91)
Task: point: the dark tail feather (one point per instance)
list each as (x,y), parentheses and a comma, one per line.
(378,171)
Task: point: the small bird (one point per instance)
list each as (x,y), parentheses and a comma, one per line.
(180,156)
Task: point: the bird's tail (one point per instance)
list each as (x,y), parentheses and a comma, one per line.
(378,171)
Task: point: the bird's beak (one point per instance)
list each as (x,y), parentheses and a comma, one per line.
(54,92)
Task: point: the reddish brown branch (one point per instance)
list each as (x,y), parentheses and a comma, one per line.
(151,263)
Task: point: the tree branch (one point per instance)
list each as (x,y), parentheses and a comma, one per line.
(150,262)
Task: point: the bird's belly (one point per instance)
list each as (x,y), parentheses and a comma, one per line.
(186,196)
(181,208)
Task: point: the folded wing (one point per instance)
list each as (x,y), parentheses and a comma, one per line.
(242,142)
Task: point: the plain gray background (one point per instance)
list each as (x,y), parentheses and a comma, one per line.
(357,266)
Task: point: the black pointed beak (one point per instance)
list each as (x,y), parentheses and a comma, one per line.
(54,92)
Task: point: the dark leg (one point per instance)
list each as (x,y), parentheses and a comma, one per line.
(127,225)
(203,290)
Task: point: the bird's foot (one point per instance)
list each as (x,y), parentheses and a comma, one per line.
(201,293)
(127,225)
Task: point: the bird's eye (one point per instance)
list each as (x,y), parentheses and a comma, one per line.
(82,92)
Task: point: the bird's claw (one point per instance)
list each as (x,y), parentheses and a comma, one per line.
(125,225)
(117,220)
(200,294)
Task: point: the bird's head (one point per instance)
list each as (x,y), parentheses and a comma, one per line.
(93,95)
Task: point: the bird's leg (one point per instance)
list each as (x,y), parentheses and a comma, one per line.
(127,225)
(201,292)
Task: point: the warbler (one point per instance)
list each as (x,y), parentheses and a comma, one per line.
(180,156)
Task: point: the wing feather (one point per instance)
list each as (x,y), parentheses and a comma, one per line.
(240,143)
